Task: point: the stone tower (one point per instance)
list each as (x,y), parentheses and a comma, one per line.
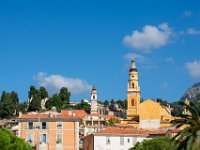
(94,105)
(133,92)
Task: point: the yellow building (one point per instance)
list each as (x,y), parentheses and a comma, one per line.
(148,114)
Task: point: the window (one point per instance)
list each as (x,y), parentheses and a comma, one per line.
(30,125)
(94,97)
(43,138)
(59,125)
(108,140)
(44,125)
(133,85)
(121,140)
(128,140)
(132,102)
(29,138)
(58,138)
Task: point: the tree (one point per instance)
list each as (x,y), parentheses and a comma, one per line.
(82,106)
(35,104)
(177,109)
(161,143)
(23,107)
(3,96)
(8,141)
(8,109)
(122,104)
(32,91)
(8,104)
(15,99)
(43,92)
(106,103)
(162,102)
(189,137)
(112,101)
(65,95)
(54,101)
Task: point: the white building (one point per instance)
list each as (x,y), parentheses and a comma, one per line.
(117,138)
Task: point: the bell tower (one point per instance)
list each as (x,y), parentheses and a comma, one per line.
(133,92)
(94,105)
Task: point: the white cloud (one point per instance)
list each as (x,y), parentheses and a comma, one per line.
(187,13)
(193,69)
(151,37)
(54,82)
(170,60)
(193,31)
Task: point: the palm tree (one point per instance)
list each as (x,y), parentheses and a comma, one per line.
(189,137)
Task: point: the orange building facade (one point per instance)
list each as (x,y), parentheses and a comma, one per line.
(49,130)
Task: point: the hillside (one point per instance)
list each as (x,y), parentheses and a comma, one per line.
(192,93)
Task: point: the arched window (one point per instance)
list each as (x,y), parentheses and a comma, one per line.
(132,85)
(132,102)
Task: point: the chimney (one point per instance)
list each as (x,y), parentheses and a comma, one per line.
(70,113)
(73,114)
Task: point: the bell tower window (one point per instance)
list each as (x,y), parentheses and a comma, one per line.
(133,85)
(132,102)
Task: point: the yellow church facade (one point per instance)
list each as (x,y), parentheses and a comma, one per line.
(147,114)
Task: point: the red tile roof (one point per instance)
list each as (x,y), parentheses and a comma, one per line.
(119,131)
(64,114)
(130,131)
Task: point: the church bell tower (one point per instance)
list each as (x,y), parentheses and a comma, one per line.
(133,92)
(94,105)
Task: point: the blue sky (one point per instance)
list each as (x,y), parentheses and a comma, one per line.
(83,43)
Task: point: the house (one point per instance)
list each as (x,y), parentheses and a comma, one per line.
(49,130)
(118,138)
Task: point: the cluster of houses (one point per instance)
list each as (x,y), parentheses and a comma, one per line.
(79,129)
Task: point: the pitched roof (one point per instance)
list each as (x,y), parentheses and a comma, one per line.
(62,115)
(119,131)
(131,131)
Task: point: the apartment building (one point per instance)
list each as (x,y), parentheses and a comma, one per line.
(49,130)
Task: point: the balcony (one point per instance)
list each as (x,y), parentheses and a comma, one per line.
(59,147)
(43,146)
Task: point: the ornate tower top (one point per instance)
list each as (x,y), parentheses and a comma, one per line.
(94,90)
(93,94)
(133,66)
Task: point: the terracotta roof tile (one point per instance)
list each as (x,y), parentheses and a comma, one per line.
(64,114)
(130,131)
(119,131)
